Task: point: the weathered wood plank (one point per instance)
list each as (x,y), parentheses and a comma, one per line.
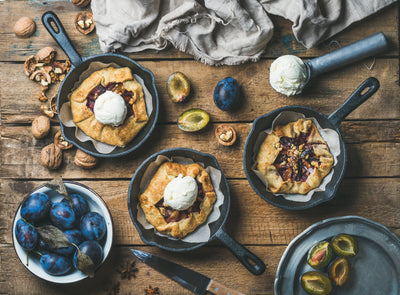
(283,42)
(20,155)
(213,262)
(19,102)
(251,220)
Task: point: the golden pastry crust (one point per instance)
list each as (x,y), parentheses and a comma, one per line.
(161,216)
(85,119)
(294,158)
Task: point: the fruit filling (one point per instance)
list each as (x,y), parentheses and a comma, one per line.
(296,159)
(172,215)
(118,88)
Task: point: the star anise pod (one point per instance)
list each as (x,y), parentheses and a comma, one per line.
(152,291)
(114,289)
(128,270)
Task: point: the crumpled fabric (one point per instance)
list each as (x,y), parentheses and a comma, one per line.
(220,32)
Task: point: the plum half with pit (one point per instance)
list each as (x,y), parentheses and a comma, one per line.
(27,236)
(93,226)
(35,207)
(62,215)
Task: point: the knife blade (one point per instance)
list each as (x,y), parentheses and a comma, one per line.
(194,281)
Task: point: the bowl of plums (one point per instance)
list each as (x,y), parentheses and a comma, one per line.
(62,231)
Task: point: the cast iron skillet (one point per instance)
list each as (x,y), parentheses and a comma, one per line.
(332,121)
(80,64)
(249,260)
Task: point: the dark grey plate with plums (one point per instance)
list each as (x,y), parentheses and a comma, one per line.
(79,65)
(217,228)
(375,270)
(360,95)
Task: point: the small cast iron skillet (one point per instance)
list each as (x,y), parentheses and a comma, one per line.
(332,121)
(79,65)
(218,232)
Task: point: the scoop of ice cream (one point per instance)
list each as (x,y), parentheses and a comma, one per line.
(110,109)
(181,192)
(288,75)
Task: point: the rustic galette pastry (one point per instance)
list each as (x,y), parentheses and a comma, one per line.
(109,106)
(178,198)
(294,158)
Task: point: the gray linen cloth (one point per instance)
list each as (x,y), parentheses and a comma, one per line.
(220,32)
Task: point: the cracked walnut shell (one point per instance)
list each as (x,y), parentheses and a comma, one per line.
(40,127)
(25,27)
(61,142)
(225,134)
(46,55)
(84,160)
(84,22)
(51,156)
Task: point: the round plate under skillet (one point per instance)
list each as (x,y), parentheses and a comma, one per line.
(374,270)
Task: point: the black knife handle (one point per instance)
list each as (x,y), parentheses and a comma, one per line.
(248,259)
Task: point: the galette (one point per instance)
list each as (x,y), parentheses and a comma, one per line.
(109,106)
(294,158)
(178,199)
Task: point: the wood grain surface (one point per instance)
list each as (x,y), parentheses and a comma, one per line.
(372,134)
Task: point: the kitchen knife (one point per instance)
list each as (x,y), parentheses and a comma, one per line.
(188,278)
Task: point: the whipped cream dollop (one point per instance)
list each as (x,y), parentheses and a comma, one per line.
(181,192)
(288,75)
(110,109)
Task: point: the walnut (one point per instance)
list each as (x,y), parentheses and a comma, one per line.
(24,27)
(53,104)
(40,127)
(61,142)
(51,156)
(46,55)
(30,65)
(84,22)
(225,134)
(84,160)
(81,3)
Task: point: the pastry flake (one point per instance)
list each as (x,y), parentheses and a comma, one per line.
(165,219)
(122,82)
(294,158)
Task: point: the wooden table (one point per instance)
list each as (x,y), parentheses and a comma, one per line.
(370,188)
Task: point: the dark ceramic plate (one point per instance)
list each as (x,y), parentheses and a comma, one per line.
(375,269)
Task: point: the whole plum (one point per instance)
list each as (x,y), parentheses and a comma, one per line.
(62,215)
(226,93)
(92,249)
(27,236)
(42,247)
(75,237)
(35,207)
(93,226)
(79,204)
(55,264)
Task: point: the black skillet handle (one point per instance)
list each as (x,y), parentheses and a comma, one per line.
(354,100)
(50,19)
(248,259)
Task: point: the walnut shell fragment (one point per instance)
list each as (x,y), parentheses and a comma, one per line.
(40,127)
(24,27)
(225,134)
(30,65)
(85,160)
(51,156)
(84,22)
(81,3)
(61,142)
(41,76)
(46,55)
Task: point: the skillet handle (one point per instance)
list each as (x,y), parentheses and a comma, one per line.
(354,100)
(248,259)
(50,19)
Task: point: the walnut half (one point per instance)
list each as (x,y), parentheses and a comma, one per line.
(225,134)
(84,22)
